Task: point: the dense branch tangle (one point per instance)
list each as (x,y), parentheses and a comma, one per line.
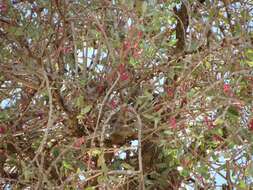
(86,81)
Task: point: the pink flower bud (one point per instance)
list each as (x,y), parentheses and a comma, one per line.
(173,122)
(3,7)
(251,125)
(226,88)
(124,76)
(2,130)
(79,142)
(113,104)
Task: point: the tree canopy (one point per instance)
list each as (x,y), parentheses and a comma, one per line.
(126,94)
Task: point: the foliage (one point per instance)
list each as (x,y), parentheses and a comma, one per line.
(122,94)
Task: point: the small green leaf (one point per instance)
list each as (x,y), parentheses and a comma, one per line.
(86,109)
(89,188)
(67,165)
(17,31)
(102,179)
(127,166)
(133,62)
(55,152)
(250,63)
(208,65)
(95,152)
(233,111)
(218,121)
(185,173)
(249,169)
(79,101)
(249,57)
(100,160)
(242,185)
(3,116)
(148,116)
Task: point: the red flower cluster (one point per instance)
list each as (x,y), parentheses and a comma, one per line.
(100,89)
(173,122)
(217,138)
(2,130)
(113,104)
(3,7)
(226,88)
(209,123)
(136,51)
(67,49)
(170,92)
(123,72)
(126,45)
(251,125)
(79,142)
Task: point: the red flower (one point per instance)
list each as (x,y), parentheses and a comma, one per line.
(251,125)
(136,45)
(123,73)
(140,34)
(124,76)
(226,88)
(3,7)
(158,107)
(67,49)
(113,104)
(121,68)
(100,89)
(173,122)
(209,123)
(126,45)
(61,30)
(137,53)
(79,142)
(2,130)
(170,92)
(217,138)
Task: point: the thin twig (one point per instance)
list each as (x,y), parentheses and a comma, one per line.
(142,184)
(229,181)
(102,105)
(75,47)
(50,119)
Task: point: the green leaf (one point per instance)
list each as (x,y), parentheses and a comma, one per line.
(86,109)
(95,152)
(185,173)
(55,152)
(133,62)
(27,172)
(102,179)
(17,31)
(218,121)
(79,101)
(242,185)
(101,160)
(82,82)
(89,188)
(3,116)
(208,65)
(67,165)
(250,63)
(127,166)
(149,116)
(233,111)
(249,54)
(249,57)
(249,169)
